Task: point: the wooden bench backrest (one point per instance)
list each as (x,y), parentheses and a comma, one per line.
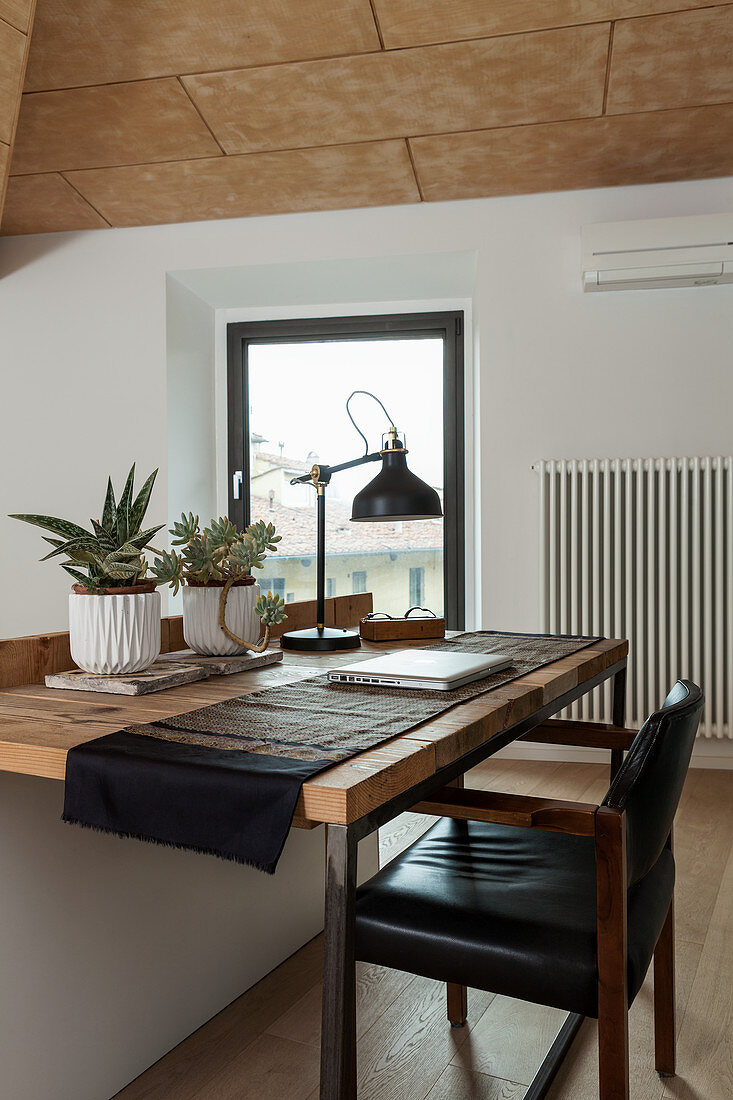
(28,660)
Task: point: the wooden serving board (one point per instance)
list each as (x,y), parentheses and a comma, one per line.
(169,671)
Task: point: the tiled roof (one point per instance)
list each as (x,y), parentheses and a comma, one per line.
(281,462)
(298,529)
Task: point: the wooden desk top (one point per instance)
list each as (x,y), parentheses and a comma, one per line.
(38,725)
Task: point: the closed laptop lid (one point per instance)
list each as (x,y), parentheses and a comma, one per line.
(425,665)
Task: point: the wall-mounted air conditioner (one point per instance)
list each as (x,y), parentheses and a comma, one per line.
(664,252)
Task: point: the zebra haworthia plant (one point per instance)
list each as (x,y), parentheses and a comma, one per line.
(111,555)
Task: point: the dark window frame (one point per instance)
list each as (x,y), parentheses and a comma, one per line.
(446,325)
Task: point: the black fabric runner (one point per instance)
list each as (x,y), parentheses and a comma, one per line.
(225,779)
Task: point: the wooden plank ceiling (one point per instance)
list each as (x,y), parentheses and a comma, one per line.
(16,17)
(182,110)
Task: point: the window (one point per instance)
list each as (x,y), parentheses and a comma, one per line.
(287,386)
(276,585)
(417,586)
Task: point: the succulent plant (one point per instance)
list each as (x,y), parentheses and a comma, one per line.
(270,609)
(222,554)
(111,555)
(216,553)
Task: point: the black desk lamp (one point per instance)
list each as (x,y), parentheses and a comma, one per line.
(394,494)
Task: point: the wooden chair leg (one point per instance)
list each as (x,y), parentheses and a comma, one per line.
(613,1004)
(457,1004)
(664,1022)
(613,1055)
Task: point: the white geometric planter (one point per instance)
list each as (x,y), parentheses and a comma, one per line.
(114,635)
(201,619)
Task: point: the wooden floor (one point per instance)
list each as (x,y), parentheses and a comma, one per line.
(265,1045)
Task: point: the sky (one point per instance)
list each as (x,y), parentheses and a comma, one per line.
(298,395)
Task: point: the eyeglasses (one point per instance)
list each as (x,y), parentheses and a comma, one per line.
(428,614)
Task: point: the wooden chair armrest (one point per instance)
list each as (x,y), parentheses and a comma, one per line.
(524,811)
(596,735)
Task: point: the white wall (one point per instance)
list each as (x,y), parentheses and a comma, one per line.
(561,374)
(190,397)
(568,375)
(112,951)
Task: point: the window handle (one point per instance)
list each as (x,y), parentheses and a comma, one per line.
(237,484)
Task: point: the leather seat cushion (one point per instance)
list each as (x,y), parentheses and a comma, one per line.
(504,909)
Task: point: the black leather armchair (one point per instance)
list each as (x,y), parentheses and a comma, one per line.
(558,903)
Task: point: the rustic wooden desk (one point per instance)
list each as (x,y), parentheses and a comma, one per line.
(38,726)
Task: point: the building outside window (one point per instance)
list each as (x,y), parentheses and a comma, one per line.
(276,585)
(417,585)
(358,580)
(330,587)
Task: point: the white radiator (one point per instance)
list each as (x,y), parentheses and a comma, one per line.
(642,548)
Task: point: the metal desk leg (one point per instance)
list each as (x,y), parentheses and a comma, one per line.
(338,1034)
(539,1086)
(618,716)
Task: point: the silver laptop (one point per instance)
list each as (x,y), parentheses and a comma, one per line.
(421,668)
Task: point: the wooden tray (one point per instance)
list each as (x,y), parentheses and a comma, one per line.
(170,670)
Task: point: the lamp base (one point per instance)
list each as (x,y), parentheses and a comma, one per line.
(322,639)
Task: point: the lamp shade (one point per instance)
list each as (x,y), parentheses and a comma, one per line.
(395,494)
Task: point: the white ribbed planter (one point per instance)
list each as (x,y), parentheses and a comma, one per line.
(201,619)
(114,635)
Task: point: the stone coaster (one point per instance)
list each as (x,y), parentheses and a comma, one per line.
(169,670)
(224,666)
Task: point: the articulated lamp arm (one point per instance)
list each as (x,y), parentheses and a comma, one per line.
(321,474)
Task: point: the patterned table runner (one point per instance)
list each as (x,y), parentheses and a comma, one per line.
(225,779)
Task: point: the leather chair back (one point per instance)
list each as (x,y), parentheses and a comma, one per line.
(649,783)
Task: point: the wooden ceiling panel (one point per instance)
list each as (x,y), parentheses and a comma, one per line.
(151,120)
(413,22)
(469,85)
(13,59)
(12,56)
(672,61)
(373,174)
(46,204)
(563,156)
(17,12)
(179,110)
(97,41)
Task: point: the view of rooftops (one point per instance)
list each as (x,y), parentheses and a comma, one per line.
(297,395)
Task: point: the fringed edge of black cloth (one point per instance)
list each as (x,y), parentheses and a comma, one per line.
(224,780)
(227,804)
